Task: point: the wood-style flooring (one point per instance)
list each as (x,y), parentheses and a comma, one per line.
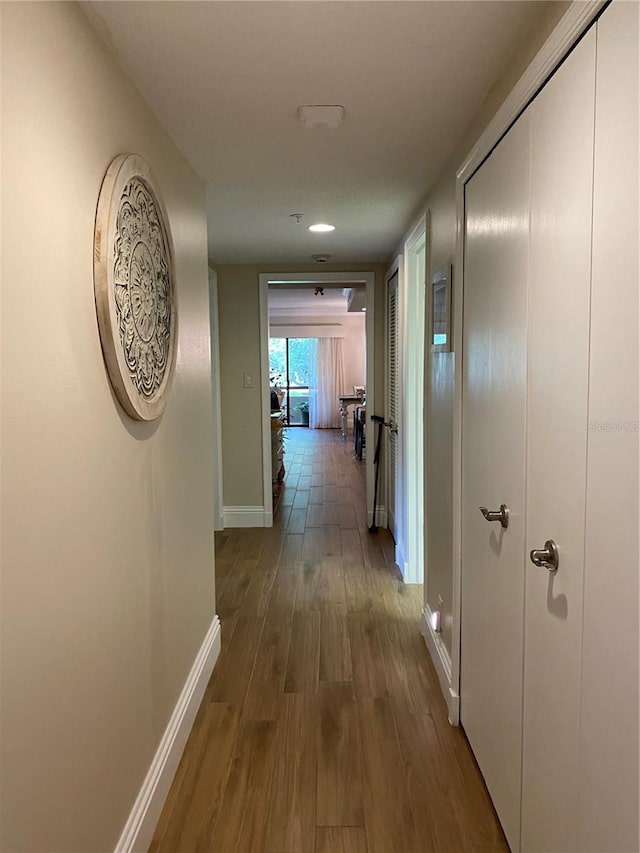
(323,728)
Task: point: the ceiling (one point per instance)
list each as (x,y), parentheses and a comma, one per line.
(287,300)
(226,79)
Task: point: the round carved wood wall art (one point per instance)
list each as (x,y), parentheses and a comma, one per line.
(134,287)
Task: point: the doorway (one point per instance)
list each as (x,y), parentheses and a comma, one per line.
(316,281)
(412,324)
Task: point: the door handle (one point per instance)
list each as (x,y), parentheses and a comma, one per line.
(501,515)
(547,557)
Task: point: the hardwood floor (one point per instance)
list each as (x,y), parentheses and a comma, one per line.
(323,728)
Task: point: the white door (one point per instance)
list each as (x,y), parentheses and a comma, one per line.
(493,460)
(392,401)
(562,139)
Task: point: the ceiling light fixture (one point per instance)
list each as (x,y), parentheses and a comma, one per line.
(319,291)
(317,116)
(321,228)
(321,259)
(297,217)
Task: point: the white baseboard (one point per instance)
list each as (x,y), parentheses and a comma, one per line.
(401,561)
(442,662)
(247,516)
(139,828)
(381,516)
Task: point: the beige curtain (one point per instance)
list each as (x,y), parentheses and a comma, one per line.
(327,383)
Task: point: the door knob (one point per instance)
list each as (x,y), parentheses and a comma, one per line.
(501,515)
(547,557)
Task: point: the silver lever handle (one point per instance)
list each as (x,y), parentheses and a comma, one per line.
(502,515)
(547,557)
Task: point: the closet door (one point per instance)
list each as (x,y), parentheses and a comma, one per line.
(493,460)
(562,139)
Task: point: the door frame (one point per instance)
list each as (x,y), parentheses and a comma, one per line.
(218,500)
(307,278)
(577,19)
(412,301)
(397,266)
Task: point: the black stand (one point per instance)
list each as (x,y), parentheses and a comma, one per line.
(373,528)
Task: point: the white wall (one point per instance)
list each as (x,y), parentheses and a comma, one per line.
(107,543)
(353,343)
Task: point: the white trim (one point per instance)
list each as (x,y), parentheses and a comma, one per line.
(442,663)
(218,516)
(264,279)
(397,267)
(381,516)
(265,396)
(401,560)
(248,516)
(411,408)
(571,26)
(139,828)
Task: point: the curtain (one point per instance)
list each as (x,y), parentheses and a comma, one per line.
(326,383)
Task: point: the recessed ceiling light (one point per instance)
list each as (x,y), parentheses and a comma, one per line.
(315,116)
(321,227)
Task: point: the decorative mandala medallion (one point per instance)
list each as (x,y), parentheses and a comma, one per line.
(134,287)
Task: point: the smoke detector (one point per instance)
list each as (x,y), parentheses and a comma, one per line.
(321,259)
(316,116)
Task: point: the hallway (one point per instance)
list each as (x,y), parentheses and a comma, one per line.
(323,727)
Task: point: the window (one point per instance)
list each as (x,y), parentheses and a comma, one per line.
(289,369)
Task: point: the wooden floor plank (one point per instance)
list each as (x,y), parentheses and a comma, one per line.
(352,552)
(282,599)
(335,645)
(341,839)
(297,521)
(291,553)
(366,653)
(292,805)
(203,795)
(347,517)
(389,818)
(339,789)
(230,678)
(434,795)
(401,669)
(321,583)
(304,650)
(258,593)
(242,819)
(322,542)
(266,686)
